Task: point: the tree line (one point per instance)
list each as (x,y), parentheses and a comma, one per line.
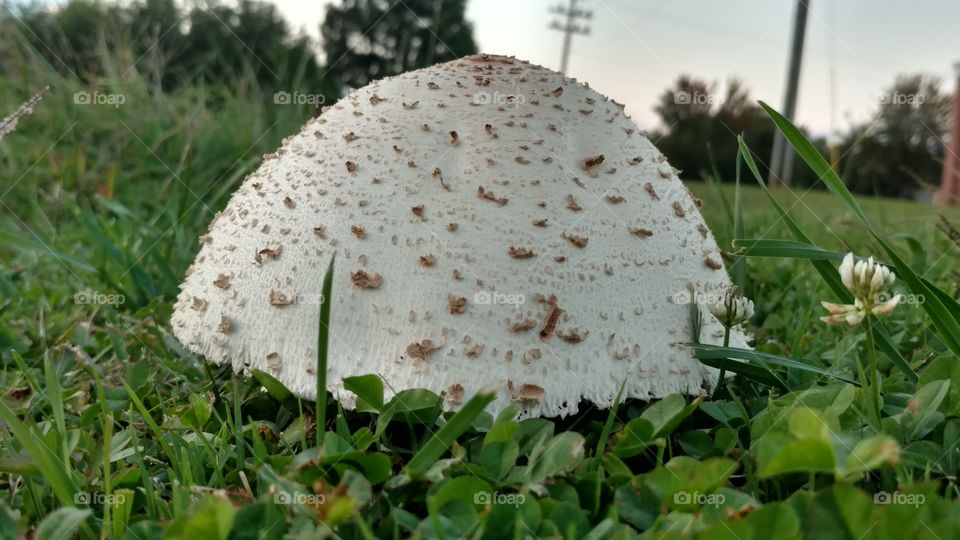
(896,153)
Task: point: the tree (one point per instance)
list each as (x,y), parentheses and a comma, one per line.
(902,144)
(365,40)
(701,126)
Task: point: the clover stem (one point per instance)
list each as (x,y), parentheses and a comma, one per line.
(723,365)
(874,373)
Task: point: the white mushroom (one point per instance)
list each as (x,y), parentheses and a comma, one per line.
(548,254)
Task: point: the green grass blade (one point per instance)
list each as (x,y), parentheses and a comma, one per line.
(786,249)
(323,339)
(443,438)
(714,352)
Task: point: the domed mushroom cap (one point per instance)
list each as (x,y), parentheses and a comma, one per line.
(496,224)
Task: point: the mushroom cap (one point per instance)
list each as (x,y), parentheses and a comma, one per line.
(497,225)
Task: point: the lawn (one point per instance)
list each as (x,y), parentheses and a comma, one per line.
(110,429)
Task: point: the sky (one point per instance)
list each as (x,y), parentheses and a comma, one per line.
(638,48)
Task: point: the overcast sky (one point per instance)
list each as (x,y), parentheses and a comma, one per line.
(638,47)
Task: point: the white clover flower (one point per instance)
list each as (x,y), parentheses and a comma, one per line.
(731,309)
(868,281)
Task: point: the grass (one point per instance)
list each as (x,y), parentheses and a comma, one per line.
(109,429)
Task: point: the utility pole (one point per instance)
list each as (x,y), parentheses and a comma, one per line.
(781,162)
(572,14)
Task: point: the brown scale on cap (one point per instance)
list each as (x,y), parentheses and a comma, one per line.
(288,202)
(350,137)
(198,304)
(455,393)
(653,193)
(558,92)
(364,280)
(635,160)
(678,209)
(642,233)
(410,105)
(540,222)
(456,305)
(273,361)
(225,326)
(520,252)
(552,319)
(522,160)
(438,174)
(614,199)
(358,231)
(422,349)
(702,229)
(320,231)
(572,204)
(454,138)
(457,275)
(222,281)
(452,227)
(351,166)
(280,299)
(523,326)
(579,241)
(712,264)
(427,260)
(574,335)
(376,100)
(418,211)
(268,254)
(526,392)
(488,195)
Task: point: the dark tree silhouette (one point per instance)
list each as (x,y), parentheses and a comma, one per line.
(364,40)
(902,145)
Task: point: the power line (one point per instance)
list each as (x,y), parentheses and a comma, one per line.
(568,24)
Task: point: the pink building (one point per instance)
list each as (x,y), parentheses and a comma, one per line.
(949,193)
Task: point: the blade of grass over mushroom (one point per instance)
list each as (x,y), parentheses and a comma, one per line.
(786,249)
(826,270)
(441,441)
(715,352)
(739,270)
(760,374)
(323,341)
